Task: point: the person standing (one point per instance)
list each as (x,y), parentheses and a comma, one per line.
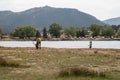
(90,44)
(38,43)
(38,40)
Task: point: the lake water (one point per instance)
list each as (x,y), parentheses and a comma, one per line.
(63,44)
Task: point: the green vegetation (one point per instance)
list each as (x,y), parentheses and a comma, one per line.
(24,32)
(45,33)
(55,30)
(108,32)
(95,30)
(118,32)
(60,64)
(38,34)
(0,31)
(70,31)
(82,32)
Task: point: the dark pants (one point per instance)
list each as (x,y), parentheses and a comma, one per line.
(90,46)
(37,45)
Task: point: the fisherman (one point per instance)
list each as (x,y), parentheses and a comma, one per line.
(90,45)
(38,43)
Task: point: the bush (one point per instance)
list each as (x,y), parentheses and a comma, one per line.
(1,47)
(95,51)
(3,62)
(81,71)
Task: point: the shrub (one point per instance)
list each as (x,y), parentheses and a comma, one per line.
(1,47)
(81,71)
(3,62)
(95,51)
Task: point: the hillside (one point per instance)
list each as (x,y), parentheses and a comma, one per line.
(113,21)
(44,16)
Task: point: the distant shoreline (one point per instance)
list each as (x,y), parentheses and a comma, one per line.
(60,39)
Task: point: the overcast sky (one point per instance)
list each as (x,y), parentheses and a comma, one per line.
(101,9)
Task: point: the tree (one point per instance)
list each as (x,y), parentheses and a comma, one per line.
(30,31)
(81,32)
(38,34)
(107,32)
(78,33)
(70,31)
(19,32)
(95,29)
(55,30)
(1,32)
(24,32)
(45,33)
(115,27)
(118,32)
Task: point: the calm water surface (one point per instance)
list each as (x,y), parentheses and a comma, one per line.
(63,44)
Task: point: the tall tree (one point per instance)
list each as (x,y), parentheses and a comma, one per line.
(55,30)
(45,33)
(108,32)
(38,34)
(95,29)
(30,31)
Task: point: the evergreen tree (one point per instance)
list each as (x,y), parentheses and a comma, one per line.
(38,34)
(45,33)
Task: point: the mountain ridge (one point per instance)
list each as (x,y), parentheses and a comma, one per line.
(113,21)
(44,16)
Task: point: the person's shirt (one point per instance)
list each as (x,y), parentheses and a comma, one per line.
(38,40)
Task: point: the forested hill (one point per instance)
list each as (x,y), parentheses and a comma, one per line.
(44,16)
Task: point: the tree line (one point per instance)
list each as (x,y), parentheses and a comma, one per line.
(56,31)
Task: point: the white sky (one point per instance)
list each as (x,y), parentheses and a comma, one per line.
(101,9)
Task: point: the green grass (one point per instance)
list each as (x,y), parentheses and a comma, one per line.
(49,64)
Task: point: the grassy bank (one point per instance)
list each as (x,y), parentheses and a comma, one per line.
(59,64)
